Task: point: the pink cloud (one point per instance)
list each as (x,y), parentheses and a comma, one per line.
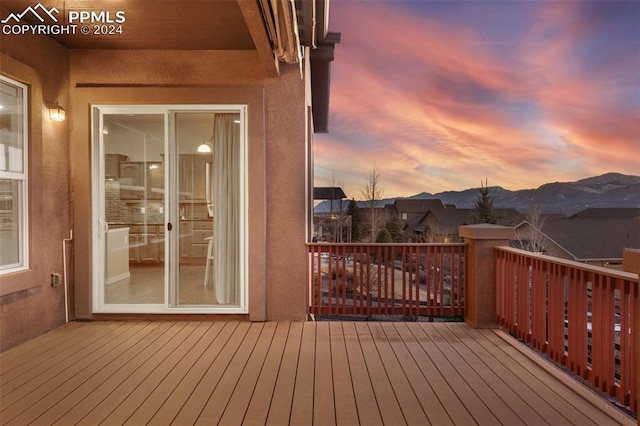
(439,108)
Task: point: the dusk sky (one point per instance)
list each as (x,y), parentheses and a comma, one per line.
(442,95)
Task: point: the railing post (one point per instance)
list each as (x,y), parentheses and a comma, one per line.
(631,263)
(480,285)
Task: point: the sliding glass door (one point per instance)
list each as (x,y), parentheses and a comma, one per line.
(169,209)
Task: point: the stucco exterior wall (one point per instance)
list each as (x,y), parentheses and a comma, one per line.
(29,305)
(286,204)
(277,261)
(60,177)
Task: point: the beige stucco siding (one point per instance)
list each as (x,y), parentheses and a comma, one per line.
(61,166)
(29,305)
(277,271)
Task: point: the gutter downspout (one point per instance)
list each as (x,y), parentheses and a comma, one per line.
(64,268)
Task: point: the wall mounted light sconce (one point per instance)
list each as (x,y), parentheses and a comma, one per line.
(57,113)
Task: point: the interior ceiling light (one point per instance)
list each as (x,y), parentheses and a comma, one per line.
(207,146)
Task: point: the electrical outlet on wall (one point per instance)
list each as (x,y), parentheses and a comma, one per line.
(56,279)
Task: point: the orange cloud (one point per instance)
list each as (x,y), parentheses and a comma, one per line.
(442,107)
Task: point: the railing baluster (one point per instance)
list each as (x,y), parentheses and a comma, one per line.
(428,279)
(591,310)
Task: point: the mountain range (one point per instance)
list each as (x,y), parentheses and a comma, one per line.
(608,190)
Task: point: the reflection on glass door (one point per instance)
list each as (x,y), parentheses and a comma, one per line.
(170,209)
(134,208)
(208,146)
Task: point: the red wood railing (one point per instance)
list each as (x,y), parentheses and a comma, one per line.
(386,279)
(581,316)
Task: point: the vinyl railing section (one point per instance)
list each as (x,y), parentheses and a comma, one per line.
(409,280)
(583,317)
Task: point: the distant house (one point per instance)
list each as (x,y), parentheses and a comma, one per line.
(430,220)
(412,213)
(596,236)
(608,213)
(335,225)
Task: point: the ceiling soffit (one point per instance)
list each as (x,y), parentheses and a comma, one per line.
(167,25)
(276,29)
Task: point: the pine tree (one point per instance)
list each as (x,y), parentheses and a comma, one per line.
(354,212)
(394,226)
(383,236)
(484,206)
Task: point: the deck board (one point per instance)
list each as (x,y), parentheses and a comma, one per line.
(576,410)
(455,409)
(365,397)
(280,409)
(388,405)
(464,346)
(427,398)
(42,393)
(147,385)
(344,373)
(400,384)
(108,390)
(201,395)
(43,344)
(433,344)
(156,397)
(167,412)
(234,370)
(302,404)
(346,411)
(450,345)
(521,384)
(258,409)
(235,410)
(62,355)
(323,392)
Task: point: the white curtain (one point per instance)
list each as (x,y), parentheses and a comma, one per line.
(226,202)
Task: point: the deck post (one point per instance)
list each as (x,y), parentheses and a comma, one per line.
(631,263)
(480,283)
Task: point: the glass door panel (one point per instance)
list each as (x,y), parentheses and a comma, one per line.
(169,209)
(134,208)
(208,175)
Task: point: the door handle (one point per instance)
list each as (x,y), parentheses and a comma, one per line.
(105,226)
(169,226)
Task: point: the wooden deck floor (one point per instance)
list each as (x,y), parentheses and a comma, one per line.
(320,373)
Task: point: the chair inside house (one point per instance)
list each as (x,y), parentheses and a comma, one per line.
(209,260)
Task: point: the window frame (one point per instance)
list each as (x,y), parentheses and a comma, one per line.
(23,184)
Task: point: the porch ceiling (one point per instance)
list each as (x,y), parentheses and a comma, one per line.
(169,24)
(196,25)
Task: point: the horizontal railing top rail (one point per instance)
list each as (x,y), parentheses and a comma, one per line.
(582,316)
(330,244)
(406,279)
(613,273)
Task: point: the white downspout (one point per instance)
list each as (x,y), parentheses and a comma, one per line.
(64,268)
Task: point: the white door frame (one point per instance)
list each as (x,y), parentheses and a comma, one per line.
(171,212)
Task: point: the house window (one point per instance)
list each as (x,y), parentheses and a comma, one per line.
(13,176)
